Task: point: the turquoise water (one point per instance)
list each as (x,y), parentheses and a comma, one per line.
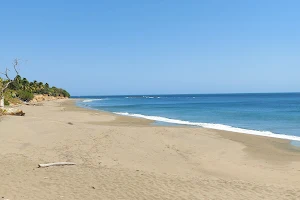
(274,115)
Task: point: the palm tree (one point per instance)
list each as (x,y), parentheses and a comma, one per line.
(18,79)
(35,85)
(31,88)
(16,84)
(25,84)
(41,85)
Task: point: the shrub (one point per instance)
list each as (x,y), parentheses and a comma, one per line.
(25,95)
(65,94)
(6,103)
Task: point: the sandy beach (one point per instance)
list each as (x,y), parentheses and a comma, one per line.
(120,157)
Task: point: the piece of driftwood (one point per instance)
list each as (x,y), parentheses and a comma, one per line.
(56,164)
(13,111)
(18,113)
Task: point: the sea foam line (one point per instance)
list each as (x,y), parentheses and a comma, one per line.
(91,100)
(214,126)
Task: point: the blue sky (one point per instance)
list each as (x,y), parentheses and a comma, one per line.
(155,47)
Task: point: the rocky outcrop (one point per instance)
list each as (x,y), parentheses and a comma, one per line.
(43,97)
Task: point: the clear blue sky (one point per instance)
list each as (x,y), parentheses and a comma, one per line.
(156,46)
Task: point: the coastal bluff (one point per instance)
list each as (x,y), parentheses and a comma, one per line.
(44,97)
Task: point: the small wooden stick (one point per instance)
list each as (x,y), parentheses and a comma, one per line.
(56,164)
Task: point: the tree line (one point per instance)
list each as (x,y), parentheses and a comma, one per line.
(20,84)
(20,88)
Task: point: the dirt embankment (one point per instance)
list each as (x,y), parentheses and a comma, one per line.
(43,97)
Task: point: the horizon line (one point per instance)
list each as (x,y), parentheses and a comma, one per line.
(189,94)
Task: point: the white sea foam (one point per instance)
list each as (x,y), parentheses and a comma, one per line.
(150,97)
(214,126)
(147,97)
(91,100)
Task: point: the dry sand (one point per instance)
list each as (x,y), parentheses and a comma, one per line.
(128,158)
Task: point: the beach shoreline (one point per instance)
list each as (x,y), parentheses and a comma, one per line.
(234,136)
(171,124)
(254,114)
(120,157)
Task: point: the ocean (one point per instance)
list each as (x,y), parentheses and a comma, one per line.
(273,115)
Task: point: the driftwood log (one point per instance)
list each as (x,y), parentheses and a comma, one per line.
(56,164)
(13,111)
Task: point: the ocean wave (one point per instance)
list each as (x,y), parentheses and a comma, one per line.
(151,97)
(147,97)
(91,100)
(214,126)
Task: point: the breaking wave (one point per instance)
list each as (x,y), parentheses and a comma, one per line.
(213,126)
(91,100)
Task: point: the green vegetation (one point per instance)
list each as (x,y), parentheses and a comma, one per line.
(10,97)
(21,89)
(6,102)
(24,88)
(25,95)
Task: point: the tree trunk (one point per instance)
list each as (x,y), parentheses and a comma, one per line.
(2,102)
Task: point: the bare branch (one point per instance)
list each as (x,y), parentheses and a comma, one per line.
(16,63)
(6,73)
(9,80)
(6,85)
